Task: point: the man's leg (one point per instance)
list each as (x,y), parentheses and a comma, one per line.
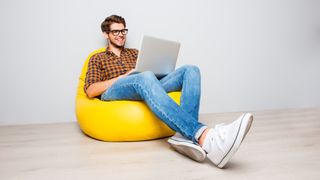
(220,143)
(187,79)
(147,87)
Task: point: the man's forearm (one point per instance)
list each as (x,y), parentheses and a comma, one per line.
(98,88)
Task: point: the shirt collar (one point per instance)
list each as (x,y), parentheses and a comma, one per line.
(108,52)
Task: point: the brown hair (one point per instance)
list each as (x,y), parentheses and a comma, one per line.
(105,25)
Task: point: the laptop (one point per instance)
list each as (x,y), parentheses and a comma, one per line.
(157,55)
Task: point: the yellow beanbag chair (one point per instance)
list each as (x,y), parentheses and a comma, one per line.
(118,120)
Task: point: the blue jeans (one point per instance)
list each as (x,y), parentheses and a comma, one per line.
(145,86)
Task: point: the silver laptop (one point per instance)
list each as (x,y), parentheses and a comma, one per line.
(157,55)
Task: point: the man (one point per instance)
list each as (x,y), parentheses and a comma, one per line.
(107,77)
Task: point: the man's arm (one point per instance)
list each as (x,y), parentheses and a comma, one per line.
(98,88)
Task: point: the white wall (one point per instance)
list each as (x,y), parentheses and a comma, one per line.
(254,55)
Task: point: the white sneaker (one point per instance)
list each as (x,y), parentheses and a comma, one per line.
(187,147)
(222,142)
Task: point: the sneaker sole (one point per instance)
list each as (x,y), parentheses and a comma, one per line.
(190,150)
(244,127)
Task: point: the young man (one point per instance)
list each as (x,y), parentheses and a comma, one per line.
(107,76)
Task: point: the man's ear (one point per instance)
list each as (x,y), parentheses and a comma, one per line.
(105,35)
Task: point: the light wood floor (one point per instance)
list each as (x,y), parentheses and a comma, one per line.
(281,145)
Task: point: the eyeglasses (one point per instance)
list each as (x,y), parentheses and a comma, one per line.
(116,32)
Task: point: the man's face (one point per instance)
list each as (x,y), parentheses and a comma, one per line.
(116,38)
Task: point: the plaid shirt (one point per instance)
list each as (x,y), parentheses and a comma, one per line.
(106,65)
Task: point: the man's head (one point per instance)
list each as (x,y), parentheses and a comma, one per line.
(114,30)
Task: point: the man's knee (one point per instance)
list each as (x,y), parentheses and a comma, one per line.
(192,68)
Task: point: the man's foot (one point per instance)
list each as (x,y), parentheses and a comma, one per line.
(187,147)
(222,142)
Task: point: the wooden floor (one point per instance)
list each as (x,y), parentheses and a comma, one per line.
(281,145)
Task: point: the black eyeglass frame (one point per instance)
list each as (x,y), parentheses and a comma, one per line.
(116,32)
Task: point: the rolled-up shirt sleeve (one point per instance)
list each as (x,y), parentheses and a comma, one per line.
(93,73)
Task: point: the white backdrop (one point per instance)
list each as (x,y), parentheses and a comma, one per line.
(253,54)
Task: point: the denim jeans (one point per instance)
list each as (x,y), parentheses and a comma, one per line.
(145,86)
